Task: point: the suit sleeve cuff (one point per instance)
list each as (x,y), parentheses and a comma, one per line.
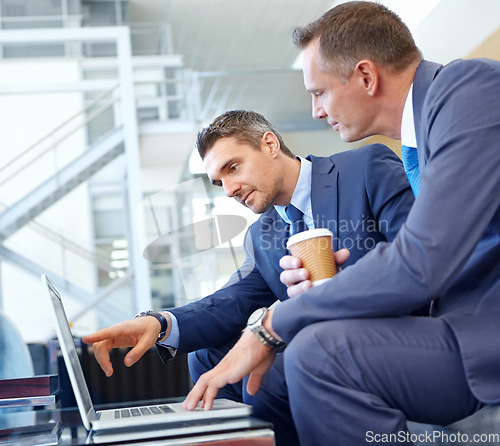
(167,349)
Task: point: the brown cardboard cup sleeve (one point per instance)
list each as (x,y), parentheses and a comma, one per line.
(315,249)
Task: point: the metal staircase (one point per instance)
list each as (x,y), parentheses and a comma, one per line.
(30,205)
(100,153)
(41,182)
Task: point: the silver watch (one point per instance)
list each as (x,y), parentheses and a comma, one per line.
(254,323)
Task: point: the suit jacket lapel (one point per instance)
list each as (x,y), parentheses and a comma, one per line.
(425,74)
(279,237)
(324,195)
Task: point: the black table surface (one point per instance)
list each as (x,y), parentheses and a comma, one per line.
(55,426)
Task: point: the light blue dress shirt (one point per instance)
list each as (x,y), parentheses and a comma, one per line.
(301,197)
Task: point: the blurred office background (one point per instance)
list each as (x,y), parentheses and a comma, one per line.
(100,103)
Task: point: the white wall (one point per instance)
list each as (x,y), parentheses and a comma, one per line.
(455,28)
(320,143)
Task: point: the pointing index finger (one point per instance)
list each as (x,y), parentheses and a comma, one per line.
(98,336)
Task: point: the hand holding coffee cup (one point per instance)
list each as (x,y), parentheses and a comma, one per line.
(315,249)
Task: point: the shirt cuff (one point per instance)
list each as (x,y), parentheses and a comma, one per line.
(172,341)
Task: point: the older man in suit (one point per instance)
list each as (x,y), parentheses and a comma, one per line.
(362,196)
(358,365)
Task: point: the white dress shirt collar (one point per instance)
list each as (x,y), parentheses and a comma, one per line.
(408,134)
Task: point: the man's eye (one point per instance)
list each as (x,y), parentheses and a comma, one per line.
(233,168)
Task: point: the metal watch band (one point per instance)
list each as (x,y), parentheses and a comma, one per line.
(255,325)
(270,341)
(161,319)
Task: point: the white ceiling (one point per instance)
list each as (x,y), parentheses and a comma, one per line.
(243,50)
(244,53)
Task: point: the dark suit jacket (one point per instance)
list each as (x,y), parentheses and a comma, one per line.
(448,252)
(361,195)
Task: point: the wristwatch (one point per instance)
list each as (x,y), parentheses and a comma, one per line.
(161,319)
(254,323)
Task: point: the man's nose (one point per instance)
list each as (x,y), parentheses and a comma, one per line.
(230,188)
(318,111)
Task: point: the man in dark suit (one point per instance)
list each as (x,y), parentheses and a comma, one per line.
(362,196)
(358,365)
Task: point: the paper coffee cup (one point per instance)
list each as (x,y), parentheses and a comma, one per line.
(315,249)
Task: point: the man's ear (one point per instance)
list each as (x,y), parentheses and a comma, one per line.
(271,143)
(367,74)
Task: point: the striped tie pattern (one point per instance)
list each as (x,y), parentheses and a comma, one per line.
(410,163)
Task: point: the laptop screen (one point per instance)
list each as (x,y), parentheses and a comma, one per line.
(70,354)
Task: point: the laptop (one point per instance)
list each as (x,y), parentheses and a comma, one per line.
(160,414)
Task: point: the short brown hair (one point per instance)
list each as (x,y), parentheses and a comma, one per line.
(359,30)
(247,127)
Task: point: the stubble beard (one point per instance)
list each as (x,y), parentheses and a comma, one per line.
(270,198)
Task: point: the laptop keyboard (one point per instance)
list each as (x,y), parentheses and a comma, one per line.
(141,411)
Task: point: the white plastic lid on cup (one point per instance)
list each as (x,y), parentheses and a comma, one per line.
(306,235)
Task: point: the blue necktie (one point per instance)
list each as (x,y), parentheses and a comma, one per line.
(297,218)
(410,163)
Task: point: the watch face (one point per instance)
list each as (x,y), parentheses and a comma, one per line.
(255,316)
